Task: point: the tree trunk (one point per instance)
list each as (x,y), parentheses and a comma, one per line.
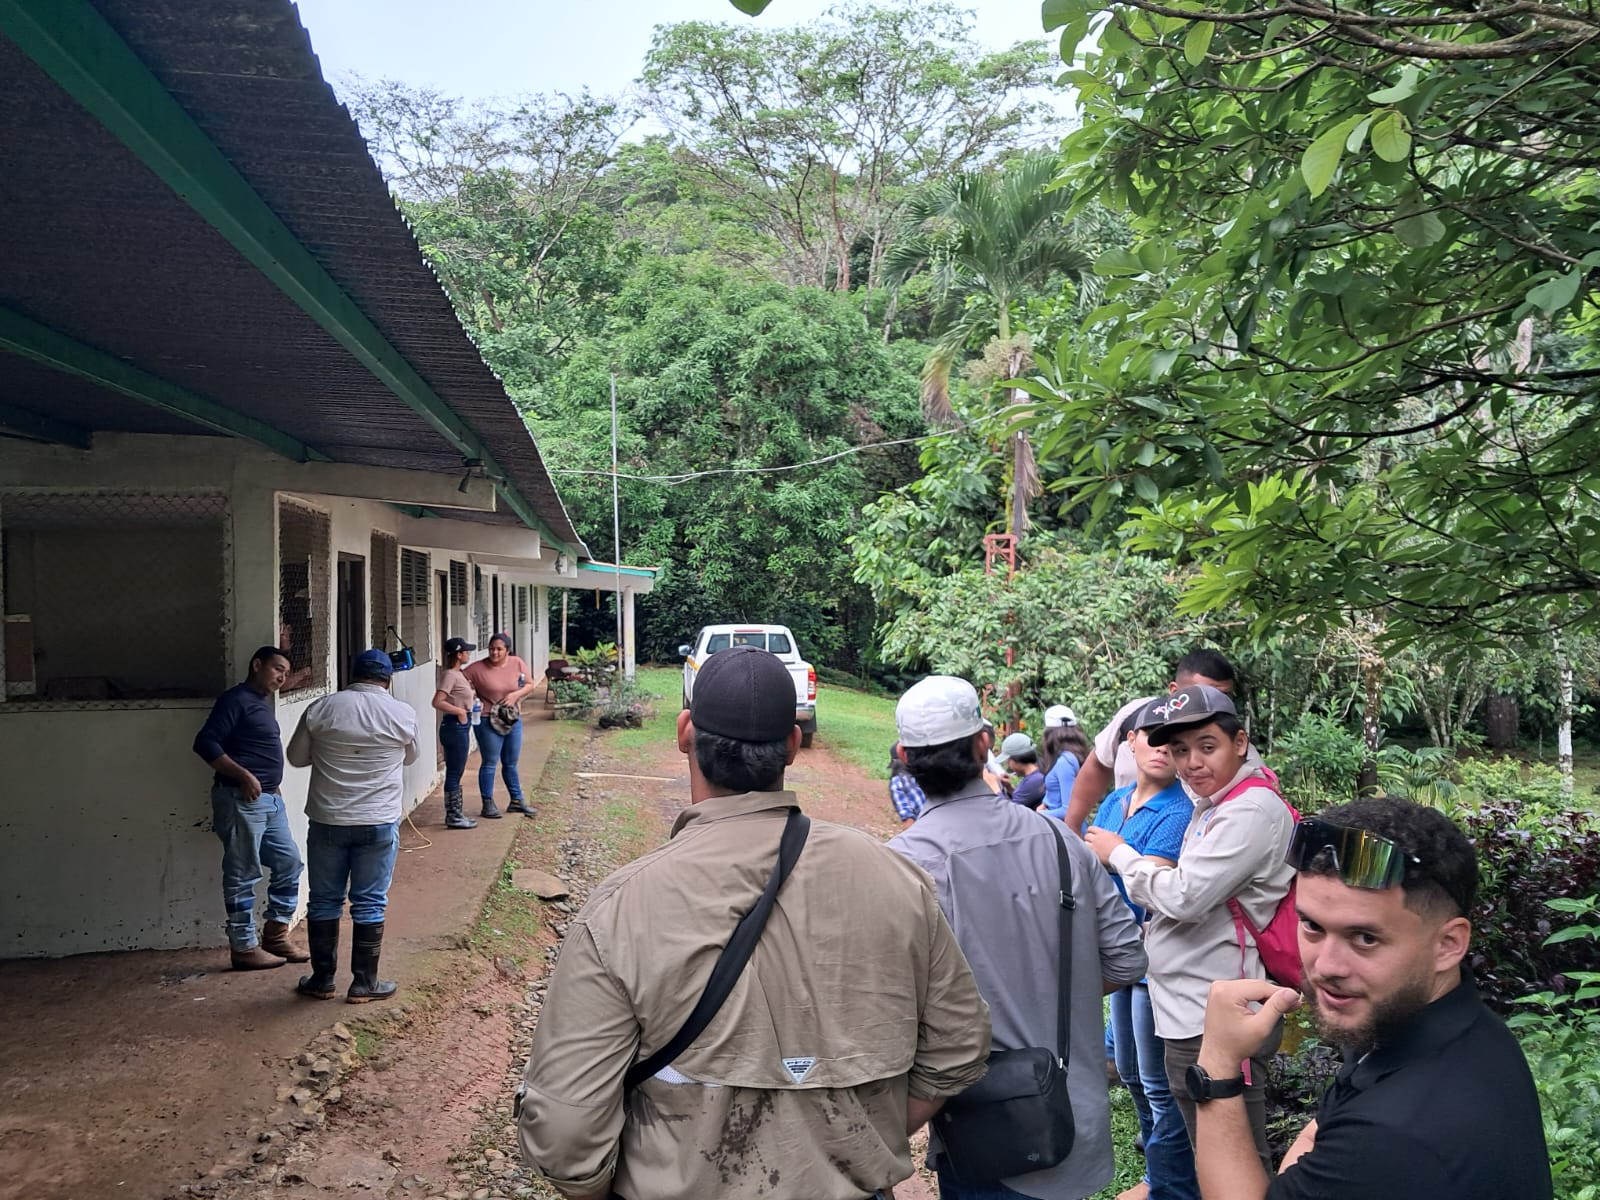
(1500,719)
(1371,719)
(1563,711)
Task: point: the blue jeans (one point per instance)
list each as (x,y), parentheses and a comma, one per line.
(1141,1061)
(456,739)
(502,748)
(353,860)
(953,1188)
(254,834)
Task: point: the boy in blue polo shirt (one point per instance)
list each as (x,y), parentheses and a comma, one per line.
(1151,815)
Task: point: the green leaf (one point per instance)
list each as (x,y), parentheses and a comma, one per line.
(1057,13)
(1404,90)
(1146,489)
(1567,935)
(1321,158)
(1118,261)
(1419,230)
(1391,139)
(1352,144)
(1197,41)
(1556,293)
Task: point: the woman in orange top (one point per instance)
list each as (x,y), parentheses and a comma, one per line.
(502,678)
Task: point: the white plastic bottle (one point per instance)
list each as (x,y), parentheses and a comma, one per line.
(477,712)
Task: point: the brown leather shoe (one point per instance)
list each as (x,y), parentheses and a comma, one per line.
(275,940)
(255,959)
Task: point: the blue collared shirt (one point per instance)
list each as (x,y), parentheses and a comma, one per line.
(1156,828)
(243,726)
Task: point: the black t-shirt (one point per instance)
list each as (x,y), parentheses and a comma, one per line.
(1446,1110)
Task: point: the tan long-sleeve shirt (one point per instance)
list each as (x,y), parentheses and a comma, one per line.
(856,997)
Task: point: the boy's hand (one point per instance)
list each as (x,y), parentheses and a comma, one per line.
(1103,842)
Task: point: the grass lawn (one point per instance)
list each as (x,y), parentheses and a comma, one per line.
(853,725)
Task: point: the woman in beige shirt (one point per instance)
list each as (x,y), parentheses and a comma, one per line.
(502,678)
(454,701)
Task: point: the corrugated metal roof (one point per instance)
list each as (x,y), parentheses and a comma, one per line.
(96,247)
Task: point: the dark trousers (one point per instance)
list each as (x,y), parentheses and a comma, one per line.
(1183,1053)
(456,739)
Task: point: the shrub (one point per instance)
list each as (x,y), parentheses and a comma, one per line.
(626,705)
(1301,1071)
(1559,1040)
(1530,852)
(1317,760)
(574,699)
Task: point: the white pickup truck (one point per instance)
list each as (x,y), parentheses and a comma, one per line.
(774,638)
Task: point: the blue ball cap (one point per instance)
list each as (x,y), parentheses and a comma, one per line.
(372,664)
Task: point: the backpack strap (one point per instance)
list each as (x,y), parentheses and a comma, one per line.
(1241,923)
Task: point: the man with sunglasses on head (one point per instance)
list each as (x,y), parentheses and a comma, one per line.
(1435,1097)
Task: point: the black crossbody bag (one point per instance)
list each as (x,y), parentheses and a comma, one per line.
(730,963)
(1018,1118)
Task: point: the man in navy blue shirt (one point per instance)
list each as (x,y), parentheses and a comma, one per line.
(241,743)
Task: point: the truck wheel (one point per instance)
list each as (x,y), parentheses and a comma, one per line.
(807,732)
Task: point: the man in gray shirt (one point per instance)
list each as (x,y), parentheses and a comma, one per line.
(996,867)
(357,743)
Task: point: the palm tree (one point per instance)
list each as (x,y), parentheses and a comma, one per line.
(989,240)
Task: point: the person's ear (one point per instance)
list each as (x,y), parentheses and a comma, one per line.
(1241,743)
(685,733)
(900,753)
(1451,943)
(791,746)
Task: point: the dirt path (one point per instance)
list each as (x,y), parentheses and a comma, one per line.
(429,1115)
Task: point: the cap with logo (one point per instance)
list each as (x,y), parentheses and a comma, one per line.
(457,645)
(1186,707)
(743,693)
(1015,744)
(936,710)
(372,664)
(1058,715)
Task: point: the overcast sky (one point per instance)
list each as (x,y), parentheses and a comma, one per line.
(482,48)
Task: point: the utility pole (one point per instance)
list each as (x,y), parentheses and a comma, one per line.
(616,523)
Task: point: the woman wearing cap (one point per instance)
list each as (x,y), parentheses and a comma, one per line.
(1022,759)
(501,681)
(1064,747)
(454,701)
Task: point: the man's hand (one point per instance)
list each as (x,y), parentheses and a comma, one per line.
(251,787)
(1234,1031)
(1103,842)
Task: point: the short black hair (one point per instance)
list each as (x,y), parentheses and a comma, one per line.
(1444,881)
(1024,756)
(265,652)
(1204,661)
(740,766)
(945,768)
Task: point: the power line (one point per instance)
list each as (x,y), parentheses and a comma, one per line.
(687,476)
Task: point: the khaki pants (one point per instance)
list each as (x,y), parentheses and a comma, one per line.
(1183,1053)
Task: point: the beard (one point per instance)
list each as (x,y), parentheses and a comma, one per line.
(1385,1018)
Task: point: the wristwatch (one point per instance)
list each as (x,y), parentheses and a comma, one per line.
(1201,1087)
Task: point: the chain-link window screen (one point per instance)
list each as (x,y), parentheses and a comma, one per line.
(113,596)
(385,568)
(415,626)
(304,610)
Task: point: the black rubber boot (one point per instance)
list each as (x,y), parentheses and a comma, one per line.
(324,939)
(490,811)
(454,818)
(519,805)
(366,942)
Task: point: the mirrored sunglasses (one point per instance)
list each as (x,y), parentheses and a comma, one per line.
(1362,859)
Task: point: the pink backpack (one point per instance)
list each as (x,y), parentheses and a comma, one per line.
(1278,942)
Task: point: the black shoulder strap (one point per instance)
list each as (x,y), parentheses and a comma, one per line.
(1064,999)
(731,962)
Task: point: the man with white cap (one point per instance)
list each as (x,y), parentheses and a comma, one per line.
(997,868)
(852,1020)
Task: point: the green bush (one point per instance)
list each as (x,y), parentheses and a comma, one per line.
(1559,1039)
(1317,760)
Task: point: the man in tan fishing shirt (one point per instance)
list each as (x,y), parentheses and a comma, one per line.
(854,1019)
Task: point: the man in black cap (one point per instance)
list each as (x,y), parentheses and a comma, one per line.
(854,1018)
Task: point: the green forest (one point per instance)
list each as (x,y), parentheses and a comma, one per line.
(1268,328)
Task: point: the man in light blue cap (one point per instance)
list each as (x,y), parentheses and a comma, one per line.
(357,743)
